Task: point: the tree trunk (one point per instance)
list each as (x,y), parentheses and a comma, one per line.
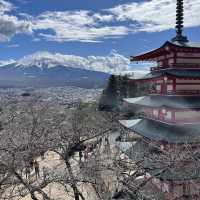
(33,197)
(31,189)
(73,181)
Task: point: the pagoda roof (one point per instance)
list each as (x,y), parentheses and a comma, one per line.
(186,44)
(161,170)
(165,49)
(182,73)
(158,131)
(178,102)
(177,174)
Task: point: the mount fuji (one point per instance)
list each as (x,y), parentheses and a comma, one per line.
(44,69)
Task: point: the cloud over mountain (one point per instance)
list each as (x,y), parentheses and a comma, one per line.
(113,63)
(6,62)
(44,69)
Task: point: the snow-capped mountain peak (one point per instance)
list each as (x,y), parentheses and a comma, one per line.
(44,69)
(112,63)
(6,62)
(56,69)
(42,60)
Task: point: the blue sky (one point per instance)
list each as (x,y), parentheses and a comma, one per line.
(90,27)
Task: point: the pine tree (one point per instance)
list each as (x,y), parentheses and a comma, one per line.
(117,89)
(123,87)
(132,90)
(109,98)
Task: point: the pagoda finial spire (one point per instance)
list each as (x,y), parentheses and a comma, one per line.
(179,22)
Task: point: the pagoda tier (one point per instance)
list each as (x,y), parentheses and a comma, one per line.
(185,74)
(173,180)
(173,54)
(162,132)
(169,109)
(176,102)
(169,172)
(172,82)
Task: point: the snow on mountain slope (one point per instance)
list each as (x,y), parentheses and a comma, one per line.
(55,69)
(113,63)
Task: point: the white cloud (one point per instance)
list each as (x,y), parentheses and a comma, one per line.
(103,18)
(13,45)
(9,24)
(87,26)
(156,15)
(24,1)
(82,26)
(6,62)
(113,63)
(36,40)
(5,6)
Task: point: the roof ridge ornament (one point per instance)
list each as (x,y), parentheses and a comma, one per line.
(179,22)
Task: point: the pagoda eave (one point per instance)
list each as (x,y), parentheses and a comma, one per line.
(149,56)
(157,101)
(176,174)
(172,134)
(174,72)
(165,49)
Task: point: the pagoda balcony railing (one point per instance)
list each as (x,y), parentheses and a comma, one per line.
(177,92)
(149,116)
(195,120)
(158,68)
(185,66)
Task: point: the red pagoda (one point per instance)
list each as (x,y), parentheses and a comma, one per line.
(171,116)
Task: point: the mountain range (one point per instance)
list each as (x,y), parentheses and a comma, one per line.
(43,70)
(13,75)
